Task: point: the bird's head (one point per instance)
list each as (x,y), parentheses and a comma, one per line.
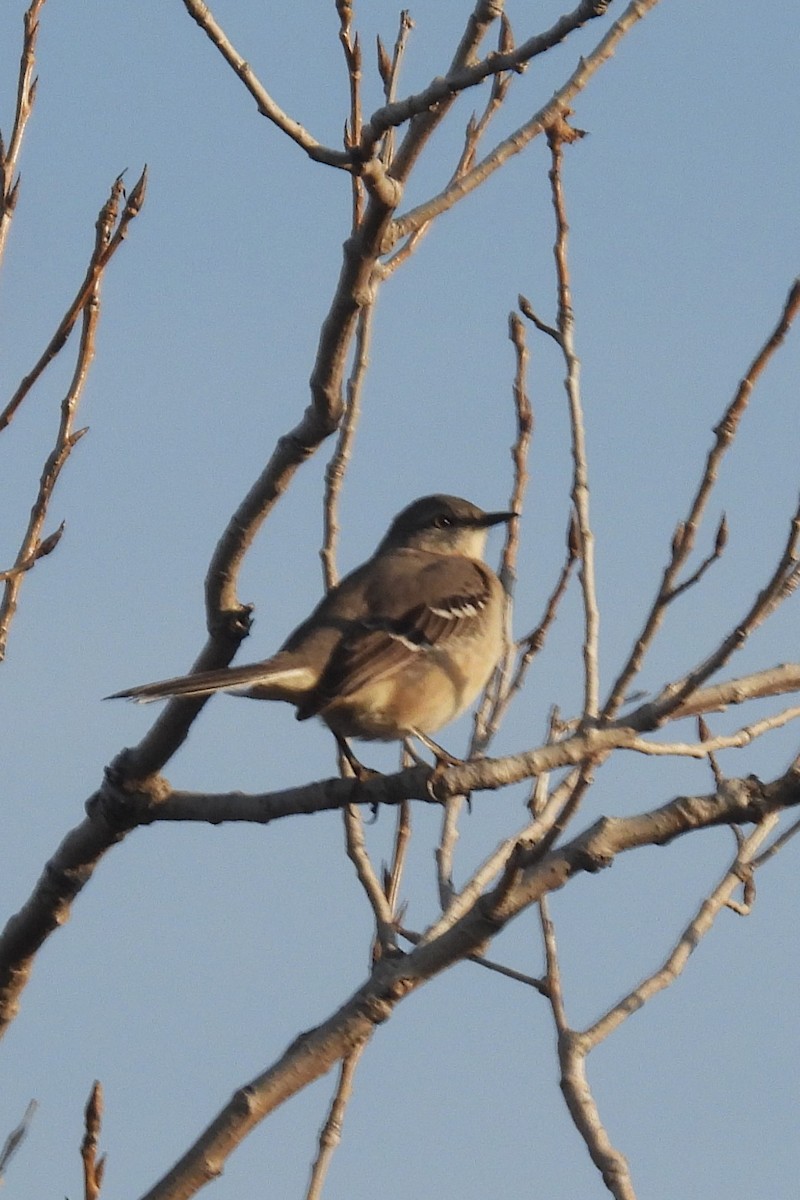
(444,525)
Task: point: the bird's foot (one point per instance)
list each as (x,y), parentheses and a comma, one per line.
(444,760)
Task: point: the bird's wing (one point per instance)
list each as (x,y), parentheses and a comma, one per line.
(418,615)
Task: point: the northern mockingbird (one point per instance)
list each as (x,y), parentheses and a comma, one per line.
(399,648)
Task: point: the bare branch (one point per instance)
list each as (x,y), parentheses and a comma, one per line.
(494,701)
(331,1132)
(784,580)
(519,139)
(480,960)
(45,547)
(99,261)
(526,308)
(16,1137)
(202,14)
(26,95)
(314,1053)
(684,540)
(357,853)
(677,959)
(93,1167)
(352,54)
(581,1104)
(559,133)
(86,303)
(335,471)
(426,109)
(391,76)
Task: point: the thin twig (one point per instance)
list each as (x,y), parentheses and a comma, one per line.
(582,1106)
(201,13)
(777,845)
(493,703)
(340,459)
(45,547)
(480,960)
(687,943)
(93,1167)
(26,96)
(16,1137)
(352,135)
(425,110)
(781,584)
(557,135)
(390,73)
(727,741)
(533,643)
(405,225)
(357,853)
(97,264)
(705,735)
(686,533)
(331,1133)
(32,546)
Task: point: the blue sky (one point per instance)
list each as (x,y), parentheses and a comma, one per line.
(196,954)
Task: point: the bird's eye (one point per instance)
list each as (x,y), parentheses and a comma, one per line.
(442,521)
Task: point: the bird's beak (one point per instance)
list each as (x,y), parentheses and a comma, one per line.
(496,518)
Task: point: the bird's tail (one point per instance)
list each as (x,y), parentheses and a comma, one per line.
(273,679)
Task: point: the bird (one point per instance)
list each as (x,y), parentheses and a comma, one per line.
(396,650)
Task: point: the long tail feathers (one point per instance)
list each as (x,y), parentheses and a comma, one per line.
(265,680)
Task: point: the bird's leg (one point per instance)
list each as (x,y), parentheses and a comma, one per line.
(443,757)
(361,773)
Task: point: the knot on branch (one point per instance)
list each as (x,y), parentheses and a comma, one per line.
(231,625)
(123,802)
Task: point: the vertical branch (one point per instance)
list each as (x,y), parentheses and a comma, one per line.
(390,74)
(494,702)
(93,1167)
(331,1132)
(67,437)
(558,133)
(335,471)
(572,1055)
(26,95)
(357,853)
(352,133)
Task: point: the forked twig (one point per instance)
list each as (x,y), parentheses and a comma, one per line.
(87,303)
(583,1109)
(686,533)
(100,259)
